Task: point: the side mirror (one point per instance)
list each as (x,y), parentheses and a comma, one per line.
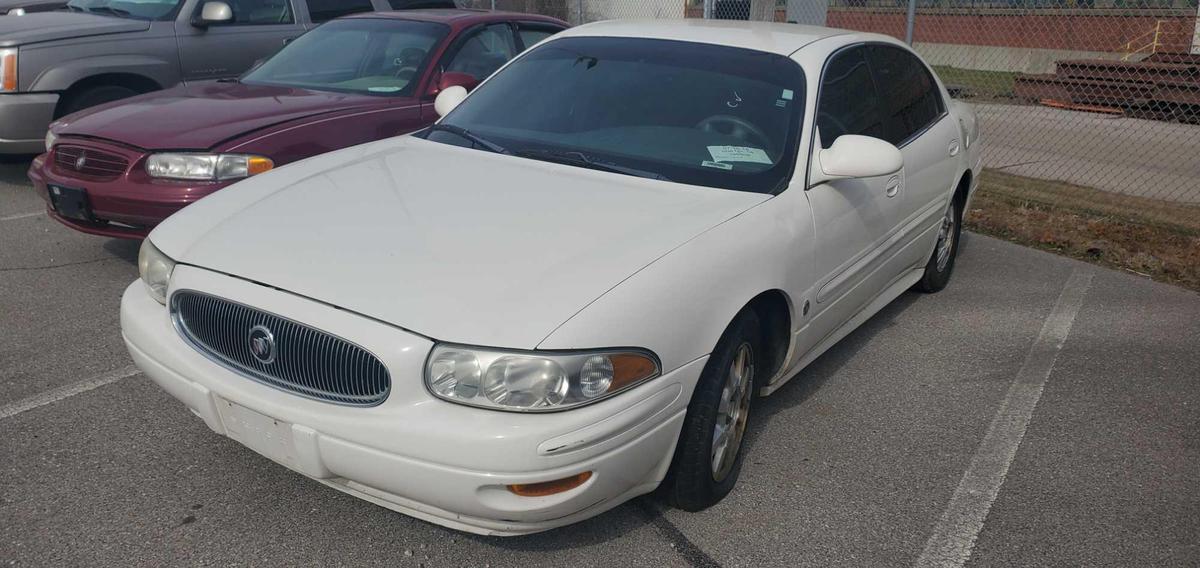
(854,156)
(453,79)
(213,12)
(448,99)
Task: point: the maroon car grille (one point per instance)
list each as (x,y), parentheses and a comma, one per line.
(89,161)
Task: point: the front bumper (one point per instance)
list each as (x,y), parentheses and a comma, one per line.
(434,460)
(24,118)
(126,205)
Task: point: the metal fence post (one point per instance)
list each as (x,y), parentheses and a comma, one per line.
(912,15)
(708,9)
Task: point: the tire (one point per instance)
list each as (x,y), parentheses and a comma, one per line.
(941,262)
(699,477)
(92,96)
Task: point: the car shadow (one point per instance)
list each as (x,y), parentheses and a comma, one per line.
(124,249)
(803,385)
(13,169)
(648,509)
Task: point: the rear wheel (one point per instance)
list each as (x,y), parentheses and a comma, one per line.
(708,458)
(941,263)
(93,96)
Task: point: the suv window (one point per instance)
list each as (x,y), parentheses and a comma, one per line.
(324,10)
(484,51)
(849,102)
(261,12)
(912,100)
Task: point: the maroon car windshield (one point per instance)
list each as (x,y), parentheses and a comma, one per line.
(361,55)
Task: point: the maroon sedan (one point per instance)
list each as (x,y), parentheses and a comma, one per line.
(119,169)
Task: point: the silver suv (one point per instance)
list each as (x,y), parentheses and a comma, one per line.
(99,51)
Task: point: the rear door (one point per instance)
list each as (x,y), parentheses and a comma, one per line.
(258,29)
(853,218)
(916,121)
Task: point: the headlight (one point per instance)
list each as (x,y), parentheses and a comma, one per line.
(208,167)
(533,381)
(8,70)
(155,269)
(50,139)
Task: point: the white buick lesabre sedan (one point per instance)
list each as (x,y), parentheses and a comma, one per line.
(569,290)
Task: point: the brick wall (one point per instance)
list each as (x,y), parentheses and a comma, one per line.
(1060,31)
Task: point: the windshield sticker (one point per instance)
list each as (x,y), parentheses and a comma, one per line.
(787,95)
(735,102)
(739,154)
(717,165)
(384,89)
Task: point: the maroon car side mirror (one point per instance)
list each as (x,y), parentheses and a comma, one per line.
(452,79)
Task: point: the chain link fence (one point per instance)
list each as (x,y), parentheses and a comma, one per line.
(1089,109)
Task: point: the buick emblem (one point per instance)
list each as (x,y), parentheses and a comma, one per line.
(262,344)
(80,161)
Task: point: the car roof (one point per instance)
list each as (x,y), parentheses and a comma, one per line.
(771,37)
(459,16)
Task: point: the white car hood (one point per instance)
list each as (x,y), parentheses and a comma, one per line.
(455,244)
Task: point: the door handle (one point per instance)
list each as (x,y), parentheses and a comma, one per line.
(892,187)
(954,148)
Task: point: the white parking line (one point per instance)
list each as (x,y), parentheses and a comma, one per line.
(55,395)
(955,534)
(22,216)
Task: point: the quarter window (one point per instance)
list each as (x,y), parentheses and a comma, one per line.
(849,102)
(911,98)
(324,10)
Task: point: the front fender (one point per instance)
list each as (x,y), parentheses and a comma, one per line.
(679,306)
(60,77)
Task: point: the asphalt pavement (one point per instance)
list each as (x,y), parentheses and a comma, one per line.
(1038,412)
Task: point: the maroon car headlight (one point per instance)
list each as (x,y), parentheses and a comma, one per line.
(206,167)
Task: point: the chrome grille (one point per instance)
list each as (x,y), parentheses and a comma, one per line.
(305,361)
(95,163)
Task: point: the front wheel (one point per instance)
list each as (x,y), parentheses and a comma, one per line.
(709,457)
(941,263)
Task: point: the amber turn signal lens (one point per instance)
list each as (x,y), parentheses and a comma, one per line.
(629,368)
(8,82)
(550,487)
(258,164)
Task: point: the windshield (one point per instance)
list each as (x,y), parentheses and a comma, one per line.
(133,9)
(369,56)
(686,112)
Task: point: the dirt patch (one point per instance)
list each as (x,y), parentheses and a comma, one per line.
(1152,238)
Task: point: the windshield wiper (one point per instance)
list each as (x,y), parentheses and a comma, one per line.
(110,10)
(474,138)
(575,158)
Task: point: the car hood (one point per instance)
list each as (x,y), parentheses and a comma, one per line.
(455,244)
(49,26)
(202,115)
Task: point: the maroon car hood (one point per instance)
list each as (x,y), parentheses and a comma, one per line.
(200,116)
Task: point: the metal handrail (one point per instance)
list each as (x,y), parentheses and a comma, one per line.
(1153,45)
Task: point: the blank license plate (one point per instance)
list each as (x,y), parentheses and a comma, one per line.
(70,202)
(259,432)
